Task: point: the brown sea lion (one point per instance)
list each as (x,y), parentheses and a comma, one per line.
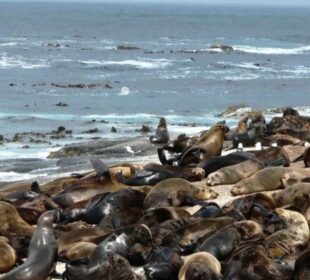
(42,256)
(273,156)
(234,173)
(93,235)
(11,222)
(286,241)
(175,192)
(268,179)
(161,136)
(78,250)
(281,140)
(210,144)
(201,265)
(7,256)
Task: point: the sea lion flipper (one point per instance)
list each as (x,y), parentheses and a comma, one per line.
(100,167)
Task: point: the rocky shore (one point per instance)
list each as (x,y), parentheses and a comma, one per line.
(226,202)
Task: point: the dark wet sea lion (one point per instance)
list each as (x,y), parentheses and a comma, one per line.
(7,256)
(153,173)
(42,256)
(217,162)
(302,266)
(181,144)
(175,192)
(11,222)
(163,263)
(161,136)
(207,266)
(210,210)
(307,157)
(100,206)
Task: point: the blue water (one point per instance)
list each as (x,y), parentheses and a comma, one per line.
(174,72)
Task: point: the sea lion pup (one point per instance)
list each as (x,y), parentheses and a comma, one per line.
(161,135)
(222,243)
(307,157)
(88,186)
(287,241)
(234,173)
(42,255)
(302,266)
(11,223)
(153,173)
(7,256)
(268,179)
(209,144)
(176,192)
(217,162)
(163,263)
(201,265)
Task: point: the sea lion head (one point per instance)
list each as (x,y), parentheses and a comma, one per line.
(48,218)
(202,193)
(198,271)
(249,229)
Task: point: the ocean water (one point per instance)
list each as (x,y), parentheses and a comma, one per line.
(174,71)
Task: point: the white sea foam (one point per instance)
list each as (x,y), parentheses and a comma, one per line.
(269,50)
(21,62)
(139,63)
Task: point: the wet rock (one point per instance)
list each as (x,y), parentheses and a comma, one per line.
(80,85)
(12,85)
(92,130)
(235,110)
(61,104)
(113,129)
(224,48)
(25,147)
(127,48)
(105,148)
(144,129)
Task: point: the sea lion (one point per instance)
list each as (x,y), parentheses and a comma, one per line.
(88,186)
(222,243)
(286,241)
(209,144)
(93,235)
(207,267)
(234,173)
(11,222)
(153,173)
(302,266)
(210,210)
(42,256)
(7,256)
(78,250)
(161,135)
(268,179)
(181,144)
(281,140)
(176,192)
(217,162)
(307,157)
(163,263)
(273,156)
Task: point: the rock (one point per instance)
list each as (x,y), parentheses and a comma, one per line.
(127,48)
(61,129)
(144,129)
(1,138)
(92,130)
(12,85)
(235,110)
(224,48)
(62,104)
(113,129)
(25,147)
(105,148)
